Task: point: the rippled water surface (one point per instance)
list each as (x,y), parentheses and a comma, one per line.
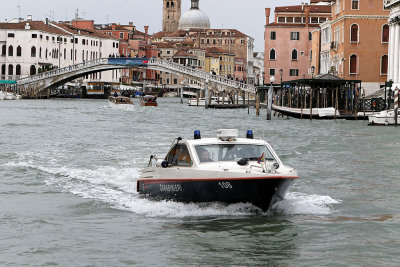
(68,197)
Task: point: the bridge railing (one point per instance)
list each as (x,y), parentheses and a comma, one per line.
(56,72)
(201,74)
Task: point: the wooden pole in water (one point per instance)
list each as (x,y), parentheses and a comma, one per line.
(301,103)
(248,102)
(257,104)
(197,98)
(337,101)
(311,99)
(396,105)
(363,96)
(206,95)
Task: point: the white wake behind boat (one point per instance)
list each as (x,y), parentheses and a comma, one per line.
(224,169)
(385,117)
(121,102)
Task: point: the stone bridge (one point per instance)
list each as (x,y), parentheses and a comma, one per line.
(35,85)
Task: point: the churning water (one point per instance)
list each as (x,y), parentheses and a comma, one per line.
(68,197)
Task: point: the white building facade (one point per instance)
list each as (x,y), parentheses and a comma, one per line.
(31,47)
(394,42)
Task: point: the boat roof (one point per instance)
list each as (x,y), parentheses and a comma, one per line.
(218,141)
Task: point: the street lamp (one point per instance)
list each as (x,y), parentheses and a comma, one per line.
(270,93)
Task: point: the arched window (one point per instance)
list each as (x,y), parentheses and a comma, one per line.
(3,69)
(272,54)
(40,52)
(385,33)
(172,4)
(353,64)
(46,52)
(167,4)
(294,54)
(384,65)
(18,70)
(33,51)
(19,51)
(32,70)
(354,33)
(3,50)
(10,69)
(10,51)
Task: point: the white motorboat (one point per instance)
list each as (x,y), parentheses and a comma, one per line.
(224,169)
(121,102)
(10,96)
(202,101)
(18,97)
(385,117)
(2,95)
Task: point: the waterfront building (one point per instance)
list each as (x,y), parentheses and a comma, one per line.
(30,47)
(394,42)
(354,44)
(226,61)
(194,26)
(259,68)
(288,39)
(212,63)
(171,15)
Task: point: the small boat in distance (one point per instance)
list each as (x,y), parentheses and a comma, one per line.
(223,169)
(385,117)
(121,102)
(149,100)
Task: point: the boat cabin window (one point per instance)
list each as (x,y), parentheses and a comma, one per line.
(233,152)
(179,156)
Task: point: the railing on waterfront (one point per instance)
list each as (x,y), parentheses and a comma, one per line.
(201,74)
(60,71)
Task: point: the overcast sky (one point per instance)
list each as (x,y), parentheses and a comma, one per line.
(248,16)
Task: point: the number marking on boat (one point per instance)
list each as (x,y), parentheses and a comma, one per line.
(225,185)
(171,188)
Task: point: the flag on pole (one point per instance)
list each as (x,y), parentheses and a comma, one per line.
(261,159)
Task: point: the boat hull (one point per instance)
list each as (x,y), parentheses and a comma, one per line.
(147,104)
(261,192)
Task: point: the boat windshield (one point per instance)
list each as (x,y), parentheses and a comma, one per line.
(231,152)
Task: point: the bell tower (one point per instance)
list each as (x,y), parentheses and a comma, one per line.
(171,15)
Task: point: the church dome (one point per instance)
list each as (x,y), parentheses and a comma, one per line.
(194,18)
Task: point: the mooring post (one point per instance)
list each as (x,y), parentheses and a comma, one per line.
(206,95)
(311,100)
(257,104)
(396,105)
(363,96)
(182,93)
(198,98)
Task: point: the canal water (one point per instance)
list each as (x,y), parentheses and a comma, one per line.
(68,171)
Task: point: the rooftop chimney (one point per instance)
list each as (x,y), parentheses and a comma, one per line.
(113,26)
(146,30)
(267,14)
(130,23)
(29,18)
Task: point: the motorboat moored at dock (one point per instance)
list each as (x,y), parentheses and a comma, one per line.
(224,169)
(121,102)
(385,117)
